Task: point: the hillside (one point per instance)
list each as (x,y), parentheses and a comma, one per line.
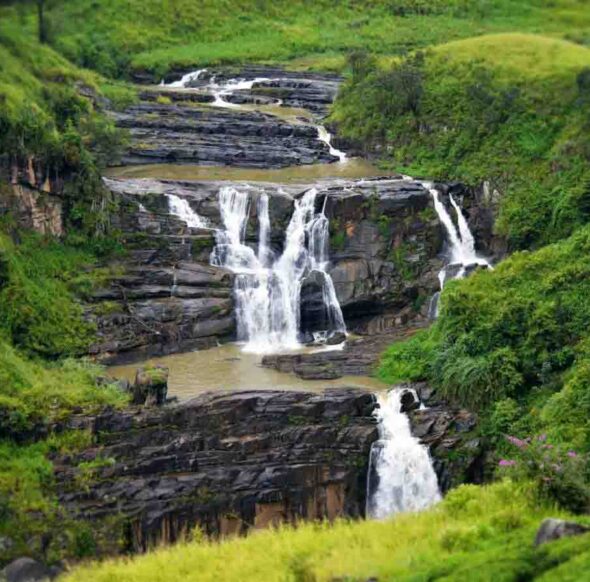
(154,35)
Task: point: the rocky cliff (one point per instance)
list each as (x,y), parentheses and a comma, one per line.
(385,245)
(226,462)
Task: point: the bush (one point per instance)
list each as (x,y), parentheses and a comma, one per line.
(560,474)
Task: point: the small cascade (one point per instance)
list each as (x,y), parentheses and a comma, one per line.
(401,476)
(461,242)
(325,136)
(185,81)
(222,90)
(180,208)
(268,291)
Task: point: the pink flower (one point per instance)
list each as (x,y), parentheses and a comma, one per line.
(572,454)
(548,447)
(542,438)
(506,463)
(516,442)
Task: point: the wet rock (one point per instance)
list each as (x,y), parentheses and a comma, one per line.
(182,134)
(151,386)
(358,357)
(555,529)
(227,462)
(26,570)
(336,338)
(409,401)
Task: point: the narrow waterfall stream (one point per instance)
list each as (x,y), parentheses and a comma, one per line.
(181,208)
(401,476)
(268,289)
(461,242)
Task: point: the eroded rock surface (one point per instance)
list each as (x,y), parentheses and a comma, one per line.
(228,462)
(385,245)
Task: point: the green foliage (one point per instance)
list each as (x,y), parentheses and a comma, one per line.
(511,109)
(560,474)
(476,533)
(37,306)
(514,344)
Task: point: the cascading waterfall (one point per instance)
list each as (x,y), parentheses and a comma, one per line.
(325,136)
(180,208)
(224,89)
(268,291)
(461,241)
(401,476)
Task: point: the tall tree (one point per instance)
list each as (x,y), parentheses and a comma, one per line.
(41,6)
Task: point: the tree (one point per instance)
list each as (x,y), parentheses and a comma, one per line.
(41,7)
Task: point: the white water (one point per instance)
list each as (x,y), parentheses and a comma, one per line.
(325,136)
(406,480)
(185,81)
(461,242)
(268,292)
(222,90)
(182,209)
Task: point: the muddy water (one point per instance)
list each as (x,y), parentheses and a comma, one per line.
(351,169)
(228,368)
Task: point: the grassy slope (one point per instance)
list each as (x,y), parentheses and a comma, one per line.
(158,34)
(476,533)
(504,108)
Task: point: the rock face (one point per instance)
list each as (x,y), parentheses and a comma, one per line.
(457,452)
(227,462)
(180,126)
(385,243)
(183,134)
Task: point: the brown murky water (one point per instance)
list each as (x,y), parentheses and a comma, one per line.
(350,169)
(228,368)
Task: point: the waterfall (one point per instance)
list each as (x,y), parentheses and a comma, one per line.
(182,209)
(461,241)
(399,463)
(220,91)
(325,136)
(185,81)
(268,292)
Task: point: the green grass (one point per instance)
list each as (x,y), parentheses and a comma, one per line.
(476,533)
(156,35)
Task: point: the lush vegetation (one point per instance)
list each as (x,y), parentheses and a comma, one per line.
(511,109)
(155,35)
(476,533)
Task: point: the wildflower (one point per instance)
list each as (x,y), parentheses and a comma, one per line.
(516,442)
(506,463)
(542,438)
(548,447)
(572,454)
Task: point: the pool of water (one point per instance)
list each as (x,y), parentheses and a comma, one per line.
(350,169)
(229,368)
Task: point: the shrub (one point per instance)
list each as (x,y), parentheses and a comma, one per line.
(560,474)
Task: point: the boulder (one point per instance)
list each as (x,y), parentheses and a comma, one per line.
(554,529)
(26,570)
(409,401)
(151,386)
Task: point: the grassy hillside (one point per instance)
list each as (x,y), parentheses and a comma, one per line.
(482,534)
(114,37)
(513,109)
